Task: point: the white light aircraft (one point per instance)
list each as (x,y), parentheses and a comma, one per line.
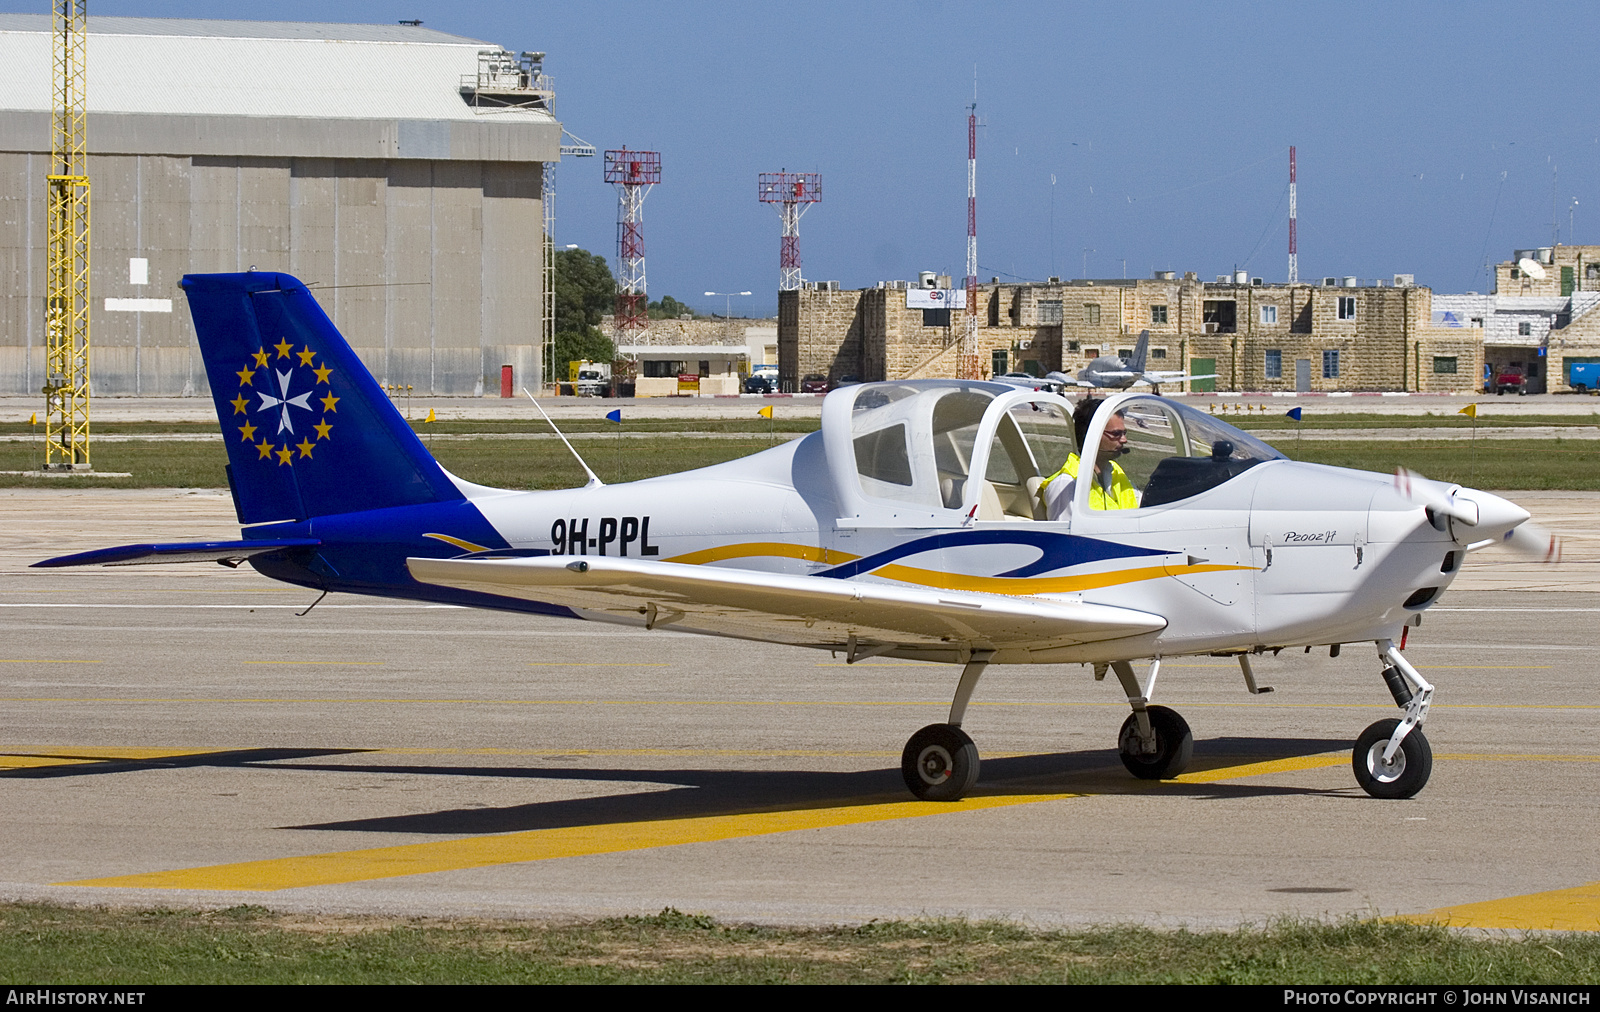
(1111,372)
(909,526)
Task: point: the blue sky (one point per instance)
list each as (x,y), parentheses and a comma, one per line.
(1427,134)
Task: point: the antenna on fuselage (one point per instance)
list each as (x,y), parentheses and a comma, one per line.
(594,479)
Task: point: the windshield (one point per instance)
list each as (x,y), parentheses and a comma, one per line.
(1173,452)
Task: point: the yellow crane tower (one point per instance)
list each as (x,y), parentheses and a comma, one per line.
(66,386)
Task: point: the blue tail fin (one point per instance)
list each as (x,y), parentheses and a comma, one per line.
(309,431)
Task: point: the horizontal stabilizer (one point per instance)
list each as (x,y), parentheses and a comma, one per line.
(785,609)
(230,552)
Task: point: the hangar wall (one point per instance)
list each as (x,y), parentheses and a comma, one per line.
(431,269)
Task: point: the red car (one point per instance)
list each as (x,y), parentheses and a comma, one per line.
(816,383)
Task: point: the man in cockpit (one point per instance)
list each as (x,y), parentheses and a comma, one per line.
(1111,490)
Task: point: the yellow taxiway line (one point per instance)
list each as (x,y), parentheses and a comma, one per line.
(576,841)
(1575,909)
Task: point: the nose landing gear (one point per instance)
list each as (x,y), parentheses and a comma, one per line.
(1392,758)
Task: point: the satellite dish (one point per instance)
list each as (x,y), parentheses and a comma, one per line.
(1531,268)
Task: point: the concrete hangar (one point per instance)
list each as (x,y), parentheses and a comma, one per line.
(394,167)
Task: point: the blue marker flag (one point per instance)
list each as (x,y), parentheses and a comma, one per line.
(1293,413)
(614,416)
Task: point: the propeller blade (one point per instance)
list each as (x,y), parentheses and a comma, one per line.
(1421,491)
(1534,542)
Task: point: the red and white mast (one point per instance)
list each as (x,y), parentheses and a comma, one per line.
(968,365)
(1294,252)
(794,192)
(633,173)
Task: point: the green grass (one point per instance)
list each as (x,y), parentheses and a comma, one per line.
(503,463)
(1544,464)
(1274,418)
(546,463)
(534,426)
(244,945)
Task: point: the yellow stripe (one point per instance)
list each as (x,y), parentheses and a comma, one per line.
(1575,909)
(1308,762)
(1047,585)
(943,580)
(578,841)
(43,757)
(535,845)
(465,546)
(722,553)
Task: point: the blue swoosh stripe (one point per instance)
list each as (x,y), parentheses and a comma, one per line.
(1058,551)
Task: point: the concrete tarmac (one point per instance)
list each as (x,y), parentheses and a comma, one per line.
(178,735)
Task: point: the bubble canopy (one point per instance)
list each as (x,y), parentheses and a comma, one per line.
(936,453)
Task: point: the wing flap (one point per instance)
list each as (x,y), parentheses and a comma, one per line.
(785,609)
(226,552)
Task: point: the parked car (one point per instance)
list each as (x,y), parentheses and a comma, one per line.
(814,383)
(1511,380)
(758,384)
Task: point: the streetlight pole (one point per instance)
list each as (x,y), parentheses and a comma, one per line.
(727,305)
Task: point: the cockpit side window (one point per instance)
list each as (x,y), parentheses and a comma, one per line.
(956,417)
(1030,444)
(1173,452)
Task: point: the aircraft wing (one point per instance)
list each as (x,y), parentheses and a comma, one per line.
(801,610)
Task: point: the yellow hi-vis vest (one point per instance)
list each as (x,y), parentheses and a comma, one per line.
(1122,497)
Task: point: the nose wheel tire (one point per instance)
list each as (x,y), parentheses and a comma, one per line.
(1174,745)
(940,763)
(1405,775)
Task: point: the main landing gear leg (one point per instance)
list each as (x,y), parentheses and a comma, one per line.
(940,762)
(1155,743)
(1392,758)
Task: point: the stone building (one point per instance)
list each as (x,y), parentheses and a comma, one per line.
(395,168)
(1338,335)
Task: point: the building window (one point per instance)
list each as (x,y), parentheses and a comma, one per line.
(999,362)
(1347,307)
(1091,313)
(1269,314)
(1091,353)
(936,317)
(1124,353)
(1444,365)
(1049,312)
(1158,353)
(1330,362)
(1274,362)
(1524,330)
(1477,321)
(1158,314)
(657,369)
(1072,345)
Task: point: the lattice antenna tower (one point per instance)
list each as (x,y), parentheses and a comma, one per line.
(1294,250)
(793,192)
(633,173)
(66,386)
(967,363)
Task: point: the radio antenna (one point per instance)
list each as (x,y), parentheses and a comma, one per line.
(594,479)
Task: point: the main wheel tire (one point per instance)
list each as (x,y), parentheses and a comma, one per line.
(1403,777)
(940,763)
(1174,745)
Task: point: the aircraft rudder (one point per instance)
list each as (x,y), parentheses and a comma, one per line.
(309,431)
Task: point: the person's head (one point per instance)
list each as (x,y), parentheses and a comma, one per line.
(1113,437)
